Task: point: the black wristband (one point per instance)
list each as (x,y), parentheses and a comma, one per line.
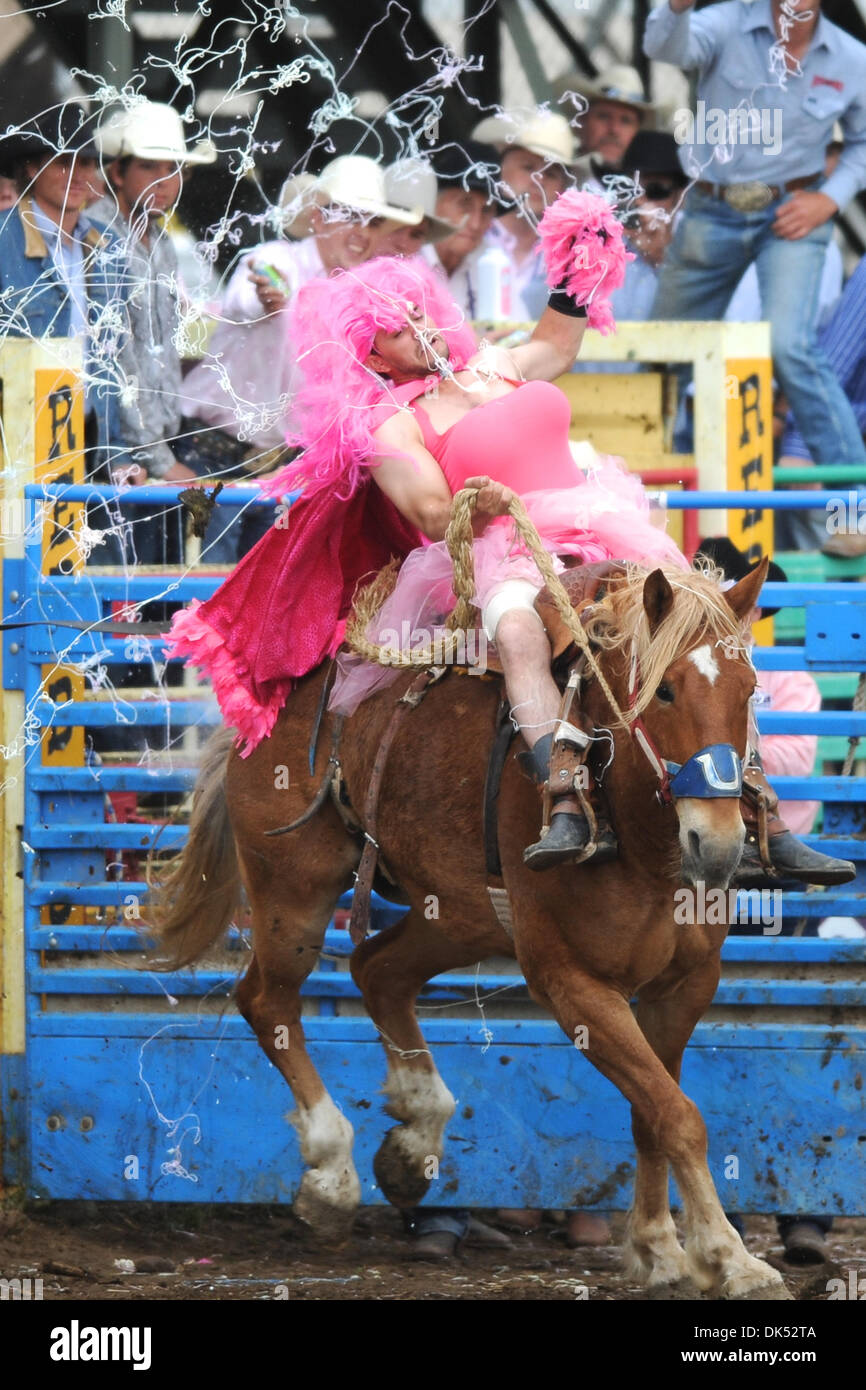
(563,303)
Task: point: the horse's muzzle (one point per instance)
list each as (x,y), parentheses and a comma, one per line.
(711,841)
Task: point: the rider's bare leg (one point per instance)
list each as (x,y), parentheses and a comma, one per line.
(524,651)
(535,702)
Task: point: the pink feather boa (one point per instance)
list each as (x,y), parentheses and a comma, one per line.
(584,253)
(332,324)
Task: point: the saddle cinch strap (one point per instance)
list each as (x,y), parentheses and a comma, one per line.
(359,921)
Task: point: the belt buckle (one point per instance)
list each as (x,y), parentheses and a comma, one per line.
(748,197)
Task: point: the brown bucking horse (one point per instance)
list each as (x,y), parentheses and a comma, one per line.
(589,940)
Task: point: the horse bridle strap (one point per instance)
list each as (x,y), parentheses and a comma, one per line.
(714,771)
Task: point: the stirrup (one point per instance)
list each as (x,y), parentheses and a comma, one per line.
(567,840)
(569,837)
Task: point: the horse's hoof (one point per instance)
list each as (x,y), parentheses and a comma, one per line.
(765,1294)
(683,1290)
(330,1223)
(391,1165)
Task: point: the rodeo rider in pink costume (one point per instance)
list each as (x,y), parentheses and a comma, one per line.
(394,394)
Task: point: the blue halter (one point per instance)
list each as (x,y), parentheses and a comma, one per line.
(716,770)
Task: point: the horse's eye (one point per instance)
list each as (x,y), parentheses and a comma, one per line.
(665,694)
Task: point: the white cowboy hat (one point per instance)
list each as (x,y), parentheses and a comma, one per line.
(619,83)
(412,184)
(150,130)
(350,181)
(545,133)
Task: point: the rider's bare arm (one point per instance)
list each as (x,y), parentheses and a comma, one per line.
(552,348)
(409,475)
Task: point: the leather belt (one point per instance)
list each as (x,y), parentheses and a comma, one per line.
(756,195)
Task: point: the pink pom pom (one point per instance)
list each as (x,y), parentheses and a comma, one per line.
(584,253)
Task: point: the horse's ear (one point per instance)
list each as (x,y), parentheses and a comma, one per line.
(744,595)
(658,599)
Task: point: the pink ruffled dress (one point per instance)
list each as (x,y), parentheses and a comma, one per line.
(521,440)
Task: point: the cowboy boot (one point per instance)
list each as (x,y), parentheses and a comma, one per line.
(567,837)
(790,858)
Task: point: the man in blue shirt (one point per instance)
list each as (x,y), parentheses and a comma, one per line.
(59,275)
(773,77)
(844,341)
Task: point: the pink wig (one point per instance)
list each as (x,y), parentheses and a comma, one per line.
(332,325)
(584,253)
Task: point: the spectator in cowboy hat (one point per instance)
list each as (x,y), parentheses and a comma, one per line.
(617,109)
(58,274)
(237,398)
(537,154)
(648,188)
(144,152)
(467,179)
(651,163)
(411,184)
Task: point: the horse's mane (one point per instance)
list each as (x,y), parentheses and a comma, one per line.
(699,613)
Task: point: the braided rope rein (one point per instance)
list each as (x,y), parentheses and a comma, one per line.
(459,538)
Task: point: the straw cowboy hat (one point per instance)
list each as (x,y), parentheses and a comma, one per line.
(150,130)
(619,83)
(412,184)
(350,181)
(545,133)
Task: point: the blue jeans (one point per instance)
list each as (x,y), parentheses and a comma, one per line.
(712,247)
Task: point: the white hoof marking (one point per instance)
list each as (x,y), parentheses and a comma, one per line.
(423,1103)
(326,1147)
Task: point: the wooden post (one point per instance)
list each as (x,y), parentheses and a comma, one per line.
(733,405)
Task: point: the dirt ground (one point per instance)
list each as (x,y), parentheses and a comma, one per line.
(241,1253)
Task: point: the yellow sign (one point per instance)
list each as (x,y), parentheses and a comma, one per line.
(750,461)
(59,459)
(750,451)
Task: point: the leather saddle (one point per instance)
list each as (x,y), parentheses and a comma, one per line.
(584,584)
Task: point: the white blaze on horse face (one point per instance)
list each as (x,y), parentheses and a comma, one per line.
(703,658)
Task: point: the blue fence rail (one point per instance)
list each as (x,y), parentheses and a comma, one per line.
(138,1086)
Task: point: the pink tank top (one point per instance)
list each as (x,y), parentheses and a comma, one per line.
(520,439)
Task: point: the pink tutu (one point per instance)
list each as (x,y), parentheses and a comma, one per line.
(605,518)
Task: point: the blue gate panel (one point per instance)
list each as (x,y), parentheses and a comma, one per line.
(535,1124)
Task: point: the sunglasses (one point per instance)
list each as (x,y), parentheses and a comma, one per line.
(657,191)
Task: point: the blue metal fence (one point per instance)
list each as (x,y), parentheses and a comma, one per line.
(139,1087)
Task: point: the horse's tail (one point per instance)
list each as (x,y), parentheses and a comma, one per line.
(199,894)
